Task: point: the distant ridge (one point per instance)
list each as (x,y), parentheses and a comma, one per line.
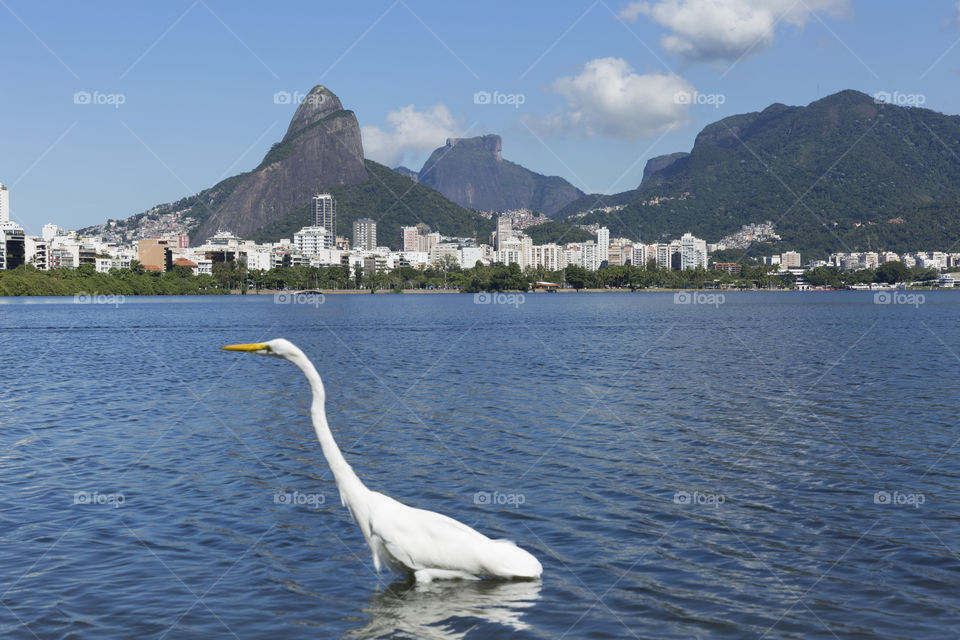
(473,173)
(872,175)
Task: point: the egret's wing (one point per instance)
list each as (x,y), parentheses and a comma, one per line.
(421,539)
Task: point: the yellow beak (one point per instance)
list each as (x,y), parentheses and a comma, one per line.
(245,347)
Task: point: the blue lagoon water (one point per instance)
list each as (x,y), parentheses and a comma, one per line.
(775,466)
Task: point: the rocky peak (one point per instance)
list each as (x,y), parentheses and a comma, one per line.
(316,106)
(491,144)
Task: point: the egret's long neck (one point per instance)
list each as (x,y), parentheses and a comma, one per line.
(347,481)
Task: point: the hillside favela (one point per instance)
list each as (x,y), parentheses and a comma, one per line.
(417,319)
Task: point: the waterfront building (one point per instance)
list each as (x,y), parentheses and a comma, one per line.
(49,232)
(549,256)
(36,252)
(693,252)
(468,256)
(364,234)
(733,268)
(325,212)
(409,236)
(154,254)
(426,241)
(4,205)
(310,241)
(790,259)
(603,246)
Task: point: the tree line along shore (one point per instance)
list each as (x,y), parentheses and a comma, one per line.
(231,277)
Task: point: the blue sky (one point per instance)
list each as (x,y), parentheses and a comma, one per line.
(182,93)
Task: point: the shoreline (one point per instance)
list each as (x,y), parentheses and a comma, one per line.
(354,292)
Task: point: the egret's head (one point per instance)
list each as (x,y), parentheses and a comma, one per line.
(279,348)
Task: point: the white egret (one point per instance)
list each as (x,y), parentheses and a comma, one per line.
(429,545)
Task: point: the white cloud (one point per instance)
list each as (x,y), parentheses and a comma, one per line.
(709,30)
(408,132)
(608,98)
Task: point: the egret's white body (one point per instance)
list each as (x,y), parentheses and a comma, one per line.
(429,545)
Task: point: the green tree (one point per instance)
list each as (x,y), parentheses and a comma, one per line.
(576,276)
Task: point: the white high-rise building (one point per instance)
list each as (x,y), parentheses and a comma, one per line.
(325,212)
(640,255)
(4,204)
(549,256)
(364,234)
(504,232)
(790,259)
(426,242)
(589,255)
(49,231)
(603,246)
(693,252)
(310,241)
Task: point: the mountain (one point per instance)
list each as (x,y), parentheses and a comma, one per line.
(393,201)
(844,173)
(409,173)
(591,201)
(321,151)
(659,163)
(472,173)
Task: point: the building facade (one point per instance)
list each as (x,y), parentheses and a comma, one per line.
(409,237)
(693,252)
(310,241)
(364,234)
(325,212)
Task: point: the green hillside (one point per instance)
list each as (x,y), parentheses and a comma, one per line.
(393,201)
(868,176)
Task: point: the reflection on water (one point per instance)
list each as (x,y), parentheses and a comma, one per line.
(447,610)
